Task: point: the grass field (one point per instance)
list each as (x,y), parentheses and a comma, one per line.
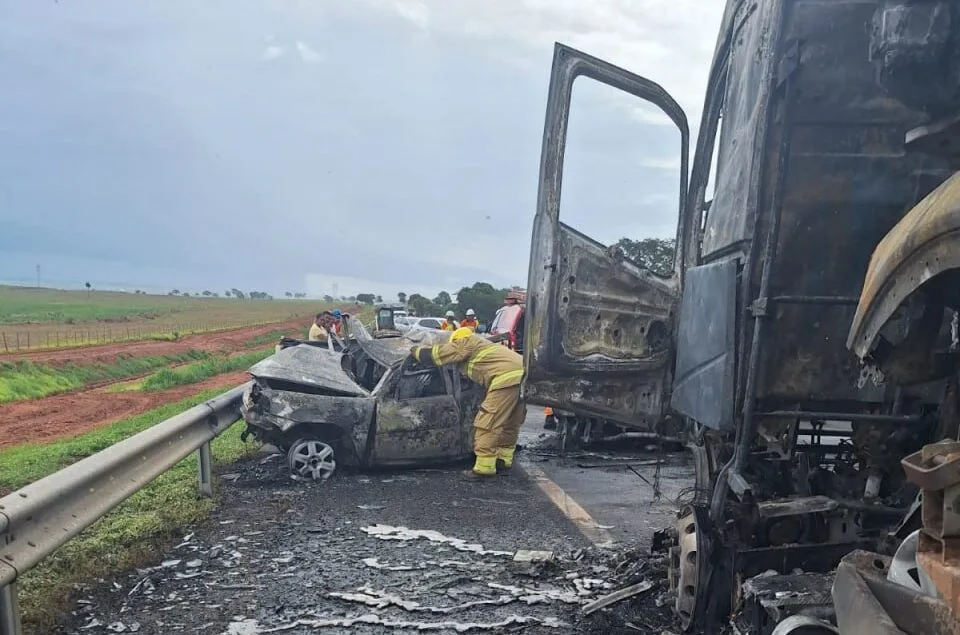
(34,318)
(130,533)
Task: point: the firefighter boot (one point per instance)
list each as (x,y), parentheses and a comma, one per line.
(484,468)
(505,459)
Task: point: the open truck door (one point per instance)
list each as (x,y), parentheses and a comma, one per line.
(599,329)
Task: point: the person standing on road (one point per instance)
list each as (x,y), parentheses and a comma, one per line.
(450,324)
(470,321)
(499,370)
(318,330)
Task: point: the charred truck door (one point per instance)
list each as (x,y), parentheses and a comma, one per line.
(598,337)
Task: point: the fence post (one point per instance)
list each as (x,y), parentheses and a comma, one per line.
(18,340)
(28,340)
(5,349)
(206,472)
(9,611)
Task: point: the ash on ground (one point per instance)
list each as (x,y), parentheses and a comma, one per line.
(417,551)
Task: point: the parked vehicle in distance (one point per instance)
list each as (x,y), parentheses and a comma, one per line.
(362,407)
(419,323)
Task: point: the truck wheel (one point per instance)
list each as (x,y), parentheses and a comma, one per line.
(311,459)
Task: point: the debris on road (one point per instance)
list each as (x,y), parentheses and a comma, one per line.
(387,532)
(617,596)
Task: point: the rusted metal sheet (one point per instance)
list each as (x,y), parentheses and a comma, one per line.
(866,603)
(922,245)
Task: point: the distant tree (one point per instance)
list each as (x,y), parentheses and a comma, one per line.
(379,298)
(186,294)
(137,292)
(422,305)
(655,254)
(402,297)
(288,294)
(207,294)
(366,298)
(299,295)
(175,292)
(88,286)
(351,298)
(226,294)
(483,298)
(238,294)
(443,300)
(328,299)
(216,295)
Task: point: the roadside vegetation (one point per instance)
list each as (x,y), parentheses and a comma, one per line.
(27,380)
(133,532)
(198,371)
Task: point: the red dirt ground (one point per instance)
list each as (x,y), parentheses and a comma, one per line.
(211,342)
(69,414)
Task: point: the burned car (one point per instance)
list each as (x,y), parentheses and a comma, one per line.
(367,406)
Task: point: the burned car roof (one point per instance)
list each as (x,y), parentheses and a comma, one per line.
(392,351)
(310,366)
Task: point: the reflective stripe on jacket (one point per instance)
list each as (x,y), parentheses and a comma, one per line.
(485,363)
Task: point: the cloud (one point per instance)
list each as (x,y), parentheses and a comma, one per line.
(661,163)
(272,52)
(668,41)
(307,53)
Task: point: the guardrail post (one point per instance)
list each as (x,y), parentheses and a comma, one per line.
(206,474)
(9,611)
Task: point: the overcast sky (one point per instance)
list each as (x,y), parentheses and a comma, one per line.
(380,145)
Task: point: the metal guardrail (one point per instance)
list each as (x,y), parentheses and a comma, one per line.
(39,518)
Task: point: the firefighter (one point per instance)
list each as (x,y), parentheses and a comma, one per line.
(470,321)
(450,324)
(498,369)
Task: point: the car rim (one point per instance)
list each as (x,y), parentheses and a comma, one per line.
(311,459)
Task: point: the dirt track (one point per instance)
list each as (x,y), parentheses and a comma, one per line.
(69,414)
(212,342)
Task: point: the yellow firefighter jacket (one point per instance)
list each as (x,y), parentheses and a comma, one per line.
(485,363)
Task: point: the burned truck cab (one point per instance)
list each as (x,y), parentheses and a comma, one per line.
(815,115)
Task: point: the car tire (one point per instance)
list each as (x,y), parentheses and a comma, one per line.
(311,459)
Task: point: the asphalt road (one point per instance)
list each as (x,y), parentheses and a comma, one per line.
(345,556)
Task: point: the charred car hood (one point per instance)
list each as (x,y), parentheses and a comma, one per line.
(308,366)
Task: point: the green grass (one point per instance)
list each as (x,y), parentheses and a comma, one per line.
(137,530)
(27,380)
(24,305)
(167,378)
(271,338)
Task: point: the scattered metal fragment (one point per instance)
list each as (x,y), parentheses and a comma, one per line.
(533,596)
(195,564)
(368,508)
(388,532)
(617,596)
(528,555)
(169,564)
(375,563)
(376,620)
(93,623)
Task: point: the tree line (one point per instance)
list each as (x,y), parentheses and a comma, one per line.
(654,254)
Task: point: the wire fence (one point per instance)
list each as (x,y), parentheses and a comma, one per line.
(40,338)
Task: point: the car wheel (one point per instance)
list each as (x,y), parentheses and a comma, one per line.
(311,460)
